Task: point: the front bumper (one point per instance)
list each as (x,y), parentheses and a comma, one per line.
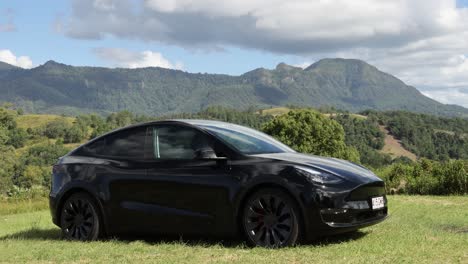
(342,211)
(341,218)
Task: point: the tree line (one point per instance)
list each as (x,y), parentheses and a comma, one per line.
(27,169)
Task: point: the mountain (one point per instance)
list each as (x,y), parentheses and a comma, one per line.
(342,83)
(5,66)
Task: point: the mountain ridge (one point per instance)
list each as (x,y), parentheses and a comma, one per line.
(7,66)
(346,84)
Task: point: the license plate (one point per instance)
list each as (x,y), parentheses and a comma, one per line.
(378,202)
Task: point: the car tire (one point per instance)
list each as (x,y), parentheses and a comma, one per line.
(79,218)
(271,219)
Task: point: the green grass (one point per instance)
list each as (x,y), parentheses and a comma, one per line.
(275,111)
(37,120)
(421,229)
(16,206)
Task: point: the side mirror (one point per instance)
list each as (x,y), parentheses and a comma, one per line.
(207,153)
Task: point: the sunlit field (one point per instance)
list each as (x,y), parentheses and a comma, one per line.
(420,229)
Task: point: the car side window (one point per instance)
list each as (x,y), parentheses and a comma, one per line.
(178,142)
(129,143)
(94,148)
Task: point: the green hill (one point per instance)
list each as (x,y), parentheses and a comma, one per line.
(342,83)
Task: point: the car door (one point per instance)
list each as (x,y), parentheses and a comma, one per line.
(121,165)
(188,194)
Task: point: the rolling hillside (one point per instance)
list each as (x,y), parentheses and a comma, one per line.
(342,83)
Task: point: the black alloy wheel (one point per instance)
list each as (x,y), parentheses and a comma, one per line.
(270,219)
(79,218)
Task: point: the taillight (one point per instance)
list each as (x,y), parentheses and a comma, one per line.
(56,168)
(57,177)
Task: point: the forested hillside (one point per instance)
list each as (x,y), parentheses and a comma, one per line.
(427,136)
(347,84)
(30,144)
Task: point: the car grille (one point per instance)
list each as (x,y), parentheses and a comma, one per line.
(364,192)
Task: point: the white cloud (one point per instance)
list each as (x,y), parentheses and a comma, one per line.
(449,96)
(129,59)
(10,58)
(423,42)
(303,65)
(293,27)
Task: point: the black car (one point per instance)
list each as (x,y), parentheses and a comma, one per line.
(210,178)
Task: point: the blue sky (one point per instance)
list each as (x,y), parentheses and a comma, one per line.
(422,42)
(36,37)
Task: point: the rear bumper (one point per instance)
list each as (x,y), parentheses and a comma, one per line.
(53,203)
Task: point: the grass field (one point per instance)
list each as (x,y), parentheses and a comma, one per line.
(275,111)
(34,121)
(420,229)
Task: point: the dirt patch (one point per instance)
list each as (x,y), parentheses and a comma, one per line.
(393,146)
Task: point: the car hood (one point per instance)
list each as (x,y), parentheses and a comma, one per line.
(342,168)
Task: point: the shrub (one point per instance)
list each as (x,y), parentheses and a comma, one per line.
(427,177)
(56,128)
(34,192)
(35,166)
(74,134)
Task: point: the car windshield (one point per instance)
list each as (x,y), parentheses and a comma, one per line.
(246,140)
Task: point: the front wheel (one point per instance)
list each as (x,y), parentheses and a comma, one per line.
(271,219)
(79,218)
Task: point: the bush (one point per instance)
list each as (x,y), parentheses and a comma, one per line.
(427,177)
(74,134)
(17,137)
(7,169)
(34,192)
(56,128)
(34,175)
(35,166)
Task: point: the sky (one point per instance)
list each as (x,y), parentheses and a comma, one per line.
(422,42)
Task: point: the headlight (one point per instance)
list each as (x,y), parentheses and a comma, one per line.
(319,177)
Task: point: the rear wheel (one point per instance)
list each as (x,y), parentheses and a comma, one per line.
(79,218)
(271,219)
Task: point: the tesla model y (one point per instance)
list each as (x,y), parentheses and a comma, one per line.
(209,178)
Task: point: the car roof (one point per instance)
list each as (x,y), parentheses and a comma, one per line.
(192,122)
(201,122)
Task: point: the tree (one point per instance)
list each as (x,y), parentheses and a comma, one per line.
(120,119)
(17,137)
(56,128)
(7,169)
(308,131)
(45,154)
(4,136)
(7,118)
(74,134)
(10,134)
